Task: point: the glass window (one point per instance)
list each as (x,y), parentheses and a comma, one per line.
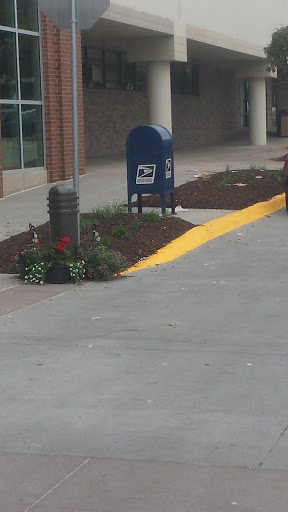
(20,52)
(128,73)
(177,77)
(27,11)
(131,76)
(8,72)
(195,79)
(32,135)
(184,78)
(112,70)
(187,78)
(7,13)
(29,67)
(141,76)
(95,65)
(10,139)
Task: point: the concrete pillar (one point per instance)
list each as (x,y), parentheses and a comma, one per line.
(257,111)
(159,94)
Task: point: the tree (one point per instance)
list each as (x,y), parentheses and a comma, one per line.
(277,51)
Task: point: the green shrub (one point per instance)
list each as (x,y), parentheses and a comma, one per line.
(152,216)
(136,223)
(86,222)
(104,264)
(105,241)
(107,211)
(246,175)
(120,232)
(276,175)
(242,175)
(226,179)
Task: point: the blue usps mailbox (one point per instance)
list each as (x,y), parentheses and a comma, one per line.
(150,164)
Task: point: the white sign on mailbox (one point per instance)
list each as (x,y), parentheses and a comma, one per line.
(146,174)
(168,168)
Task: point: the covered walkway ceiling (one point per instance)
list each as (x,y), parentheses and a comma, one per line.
(107,30)
(114,34)
(203,52)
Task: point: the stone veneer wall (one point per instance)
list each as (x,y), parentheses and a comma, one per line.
(211,116)
(110,114)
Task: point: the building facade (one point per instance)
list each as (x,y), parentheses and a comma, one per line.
(194,68)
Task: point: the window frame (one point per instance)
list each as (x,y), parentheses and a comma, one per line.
(19,102)
(187,69)
(122,78)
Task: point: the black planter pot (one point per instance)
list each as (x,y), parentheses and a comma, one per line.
(58,275)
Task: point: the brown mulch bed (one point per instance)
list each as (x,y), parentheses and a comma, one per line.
(219,191)
(142,242)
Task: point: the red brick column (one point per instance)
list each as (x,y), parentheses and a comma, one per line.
(51,98)
(56,58)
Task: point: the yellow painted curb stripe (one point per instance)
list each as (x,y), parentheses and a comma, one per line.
(200,235)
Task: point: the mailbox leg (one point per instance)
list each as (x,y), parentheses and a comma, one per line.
(172,203)
(129,204)
(163,203)
(139,200)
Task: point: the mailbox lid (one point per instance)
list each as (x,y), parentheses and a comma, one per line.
(149,140)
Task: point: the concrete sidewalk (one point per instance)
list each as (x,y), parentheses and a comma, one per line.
(161,391)
(106,179)
(164,390)
(76,484)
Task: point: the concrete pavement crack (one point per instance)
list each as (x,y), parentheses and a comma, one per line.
(57,485)
(274,446)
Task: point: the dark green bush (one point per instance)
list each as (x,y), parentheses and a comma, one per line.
(103,263)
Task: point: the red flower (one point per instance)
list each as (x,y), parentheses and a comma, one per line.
(61,246)
(12,259)
(66,240)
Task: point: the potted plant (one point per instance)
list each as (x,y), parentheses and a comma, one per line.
(53,264)
(58,259)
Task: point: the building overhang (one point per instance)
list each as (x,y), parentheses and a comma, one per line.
(139,19)
(123,23)
(212,48)
(146,37)
(222,45)
(143,36)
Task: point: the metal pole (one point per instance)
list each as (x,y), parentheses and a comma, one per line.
(74,77)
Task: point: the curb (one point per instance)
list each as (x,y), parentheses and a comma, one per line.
(200,235)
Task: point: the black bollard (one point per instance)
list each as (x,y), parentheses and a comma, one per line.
(63,209)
